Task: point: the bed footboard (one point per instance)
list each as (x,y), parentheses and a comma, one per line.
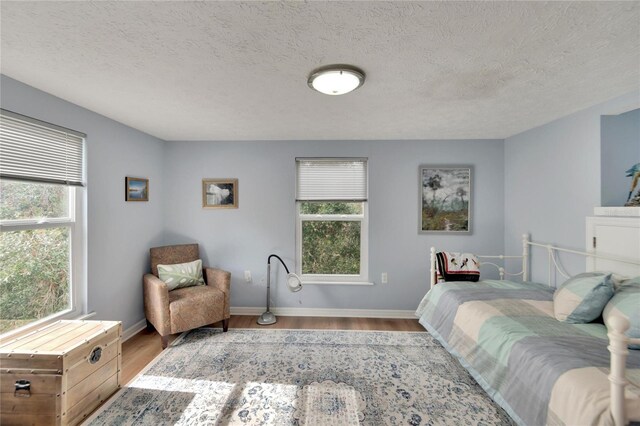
(618,347)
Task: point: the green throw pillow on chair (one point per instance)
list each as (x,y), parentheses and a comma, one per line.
(181,275)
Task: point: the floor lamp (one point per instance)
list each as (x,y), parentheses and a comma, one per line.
(293,282)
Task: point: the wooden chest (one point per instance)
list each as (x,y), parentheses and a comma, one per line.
(58,374)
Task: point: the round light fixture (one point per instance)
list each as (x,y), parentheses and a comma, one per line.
(336,79)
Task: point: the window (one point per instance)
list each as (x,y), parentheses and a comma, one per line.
(41,238)
(332,227)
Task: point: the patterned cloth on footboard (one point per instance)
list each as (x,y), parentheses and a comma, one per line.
(540,370)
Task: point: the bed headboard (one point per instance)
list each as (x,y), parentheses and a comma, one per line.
(615,263)
(490,260)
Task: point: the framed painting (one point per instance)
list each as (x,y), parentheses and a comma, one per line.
(445,199)
(136,189)
(220,193)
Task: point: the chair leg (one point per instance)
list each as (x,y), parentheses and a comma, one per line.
(225,325)
(150,326)
(165,341)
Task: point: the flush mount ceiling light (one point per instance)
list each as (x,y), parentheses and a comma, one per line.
(336,79)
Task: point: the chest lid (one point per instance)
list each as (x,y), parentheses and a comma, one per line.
(57,338)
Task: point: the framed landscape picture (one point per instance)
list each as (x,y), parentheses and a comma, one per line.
(445,199)
(220,193)
(136,189)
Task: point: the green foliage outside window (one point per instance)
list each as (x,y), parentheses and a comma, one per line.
(24,200)
(331,247)
(34,263)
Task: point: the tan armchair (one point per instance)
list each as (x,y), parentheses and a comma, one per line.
(183,309)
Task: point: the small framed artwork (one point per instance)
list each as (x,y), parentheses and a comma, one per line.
(136,189)
(445,199)
(220,193)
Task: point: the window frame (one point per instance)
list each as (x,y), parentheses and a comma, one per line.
(363,218)
(360,279)
(77,255)
(59,145)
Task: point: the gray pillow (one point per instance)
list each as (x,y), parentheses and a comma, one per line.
(181,275)
(582,298)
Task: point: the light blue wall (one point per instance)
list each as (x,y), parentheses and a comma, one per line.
(620,150)
(264,223)
(544,181)
(119,233)
(552,182)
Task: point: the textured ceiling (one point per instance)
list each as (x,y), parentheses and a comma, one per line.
(238,70)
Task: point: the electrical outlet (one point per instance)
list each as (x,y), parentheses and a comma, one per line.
(247,276)
(384,279)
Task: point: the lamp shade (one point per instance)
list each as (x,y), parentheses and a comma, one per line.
(294,282)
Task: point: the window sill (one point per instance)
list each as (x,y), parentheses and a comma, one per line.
(337,283)
(68,314)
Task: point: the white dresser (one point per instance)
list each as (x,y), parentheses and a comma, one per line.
(613,236)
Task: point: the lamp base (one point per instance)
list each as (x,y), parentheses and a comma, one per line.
(267,318)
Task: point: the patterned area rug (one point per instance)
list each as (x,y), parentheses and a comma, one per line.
(302,377)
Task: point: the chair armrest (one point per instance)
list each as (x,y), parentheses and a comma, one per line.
(221,280)
(156,303)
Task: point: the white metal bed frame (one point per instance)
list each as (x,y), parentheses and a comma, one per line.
(616,327)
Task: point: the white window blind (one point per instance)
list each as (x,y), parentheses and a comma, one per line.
(37,151)
(331,179)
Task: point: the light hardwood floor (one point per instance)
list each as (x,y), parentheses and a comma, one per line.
(142,348)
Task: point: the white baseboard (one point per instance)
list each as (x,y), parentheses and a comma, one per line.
(326,312)
(133,330)
(299,312)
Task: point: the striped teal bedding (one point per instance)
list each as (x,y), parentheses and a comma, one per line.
(540,370)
